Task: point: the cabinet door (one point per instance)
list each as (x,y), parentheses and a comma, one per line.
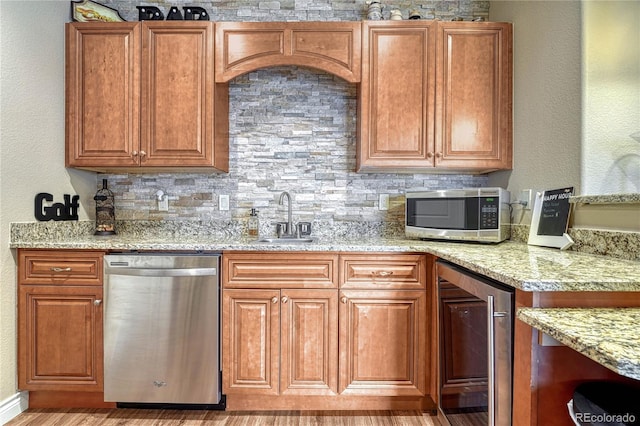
(102,94)
(250,342)
(473,95)
(383,348)
(177,94)
(60,338)
(396,97)
(309,342)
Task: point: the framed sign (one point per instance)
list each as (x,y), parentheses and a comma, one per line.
(89,11)
(550,219)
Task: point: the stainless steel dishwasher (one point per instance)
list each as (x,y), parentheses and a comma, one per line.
(161,330)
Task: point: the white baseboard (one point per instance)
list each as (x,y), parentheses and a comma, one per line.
(12,406)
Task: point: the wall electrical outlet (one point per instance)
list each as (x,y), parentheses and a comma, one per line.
(223,202)
(163,204)
(526,199)
(383,202)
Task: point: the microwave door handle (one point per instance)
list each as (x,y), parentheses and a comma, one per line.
(491,343)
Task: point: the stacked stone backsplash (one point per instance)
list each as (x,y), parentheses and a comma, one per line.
(291,129)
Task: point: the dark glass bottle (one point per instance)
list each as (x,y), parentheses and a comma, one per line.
(105,211)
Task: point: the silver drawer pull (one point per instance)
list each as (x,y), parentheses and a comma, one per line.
(56,269)
(382,273)
(97,302)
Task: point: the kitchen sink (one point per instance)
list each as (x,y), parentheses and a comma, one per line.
(286,240)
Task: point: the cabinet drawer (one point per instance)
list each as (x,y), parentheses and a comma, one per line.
(65,267)
(384,271)
(280,270)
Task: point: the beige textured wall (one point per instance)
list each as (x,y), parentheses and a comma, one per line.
(547,106)
(32,141)
(611,97)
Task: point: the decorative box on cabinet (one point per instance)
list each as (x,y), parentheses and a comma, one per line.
(60,320)
(141,96)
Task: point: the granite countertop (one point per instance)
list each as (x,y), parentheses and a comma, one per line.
(525,267)
(590,332)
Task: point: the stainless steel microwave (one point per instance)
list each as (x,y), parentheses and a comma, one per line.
(474,214)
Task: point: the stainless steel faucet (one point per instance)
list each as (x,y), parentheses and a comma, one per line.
(289,232)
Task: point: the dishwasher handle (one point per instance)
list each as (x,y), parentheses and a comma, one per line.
(162,272)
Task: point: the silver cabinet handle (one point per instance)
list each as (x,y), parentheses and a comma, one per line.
(285,299)
(274,299)
(142,153)
(134,153)
(344,300)
(382,273)
(57,269)
(97,302)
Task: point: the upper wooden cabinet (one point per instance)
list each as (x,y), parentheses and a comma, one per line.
(142,95)
(333,47)
(435,95)
(474,95)
(396,97)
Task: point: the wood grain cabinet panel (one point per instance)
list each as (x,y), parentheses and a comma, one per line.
(333,47)
(141,96)
(435,95)
(60,267)
(102,94)
(301,340)
(251,339)
(60,333)
(383,348)
(474,95)
(280,270)
(309,345)
(396,97)
(280,342)
(376,271)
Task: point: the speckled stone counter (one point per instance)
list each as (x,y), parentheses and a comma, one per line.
(519,265)
(590,331)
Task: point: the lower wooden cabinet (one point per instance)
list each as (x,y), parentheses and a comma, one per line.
(280,342)
(60,321)
(383,347)
(367,340)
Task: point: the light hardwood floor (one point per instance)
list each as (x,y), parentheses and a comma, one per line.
(137,417)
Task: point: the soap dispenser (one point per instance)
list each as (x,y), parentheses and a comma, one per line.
(254,223)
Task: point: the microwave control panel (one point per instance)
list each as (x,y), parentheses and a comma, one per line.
(489,212)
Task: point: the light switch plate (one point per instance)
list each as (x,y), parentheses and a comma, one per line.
(163,205)
(223,202)
(383,202)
